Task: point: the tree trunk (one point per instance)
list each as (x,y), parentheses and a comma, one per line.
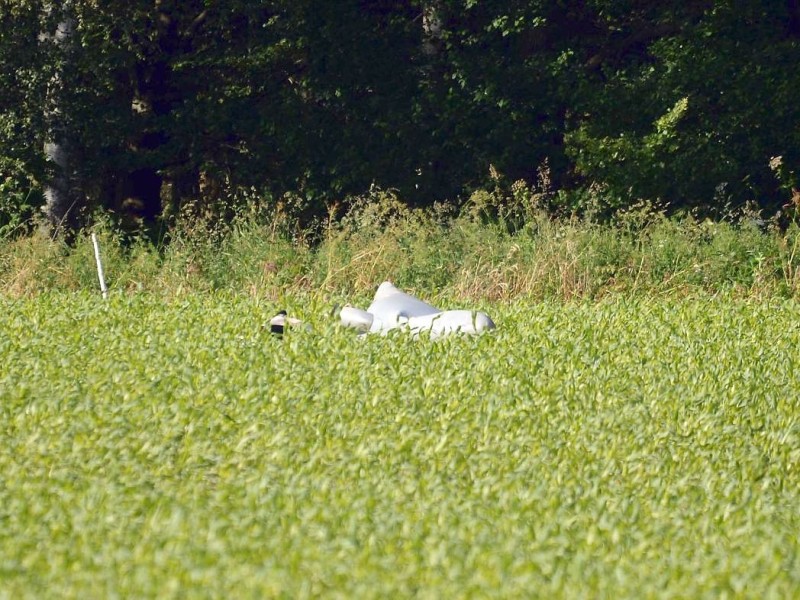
(62,200)
(793,25)
(167,175)
(431,28)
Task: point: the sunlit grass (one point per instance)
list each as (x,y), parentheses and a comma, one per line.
(625,448)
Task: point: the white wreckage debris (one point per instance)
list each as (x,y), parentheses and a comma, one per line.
(394,309)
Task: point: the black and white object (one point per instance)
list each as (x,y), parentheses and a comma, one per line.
(281,322)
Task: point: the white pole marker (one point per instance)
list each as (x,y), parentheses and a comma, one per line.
(100,274)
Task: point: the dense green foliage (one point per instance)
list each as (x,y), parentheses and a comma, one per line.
(199,102)
(645,448)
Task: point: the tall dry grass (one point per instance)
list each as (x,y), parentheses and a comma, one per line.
(499,246)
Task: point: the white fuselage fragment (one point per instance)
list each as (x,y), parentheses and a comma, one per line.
(394,309)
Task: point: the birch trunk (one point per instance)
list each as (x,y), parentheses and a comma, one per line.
(61,199)
(431,28)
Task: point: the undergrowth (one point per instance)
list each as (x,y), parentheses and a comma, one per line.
(499,246)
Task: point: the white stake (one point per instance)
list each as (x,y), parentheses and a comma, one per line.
(100,275)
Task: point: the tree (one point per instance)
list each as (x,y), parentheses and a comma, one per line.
(62,190)
(690,101)
(177,94)
(23,84)
(149,106)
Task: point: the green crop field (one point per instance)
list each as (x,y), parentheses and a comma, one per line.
(621,448)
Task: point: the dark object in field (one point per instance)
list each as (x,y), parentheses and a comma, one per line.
(280,322)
